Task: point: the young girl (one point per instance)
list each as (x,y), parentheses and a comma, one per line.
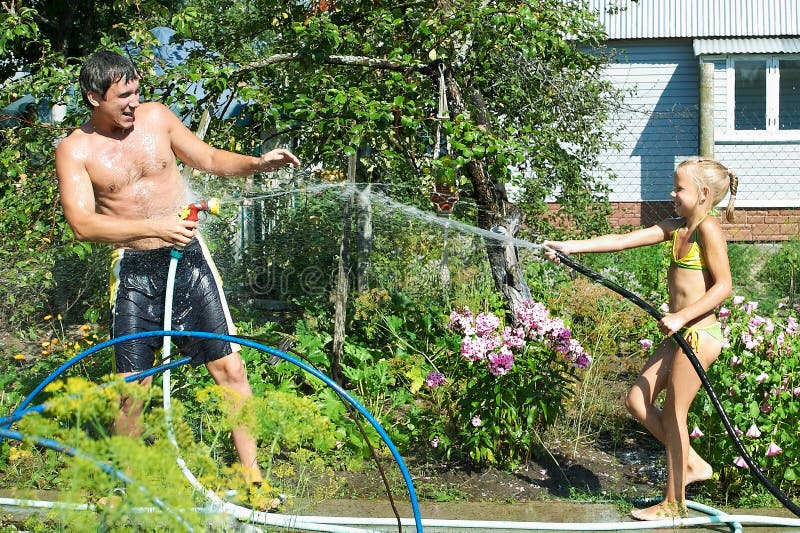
(698,279)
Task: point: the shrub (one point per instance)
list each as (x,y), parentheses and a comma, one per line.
(757,379)
(500,384)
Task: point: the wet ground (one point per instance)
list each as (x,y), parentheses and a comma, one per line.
(530,516)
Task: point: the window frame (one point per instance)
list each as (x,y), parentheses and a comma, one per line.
(771,133)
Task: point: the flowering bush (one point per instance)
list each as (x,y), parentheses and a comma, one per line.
(757,379)
(502,384)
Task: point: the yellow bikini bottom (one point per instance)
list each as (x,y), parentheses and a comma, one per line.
(692,335)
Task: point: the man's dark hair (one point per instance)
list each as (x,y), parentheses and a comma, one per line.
(103,69)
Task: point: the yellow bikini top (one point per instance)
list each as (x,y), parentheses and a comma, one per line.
(694,257)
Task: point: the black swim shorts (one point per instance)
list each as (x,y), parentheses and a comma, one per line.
(138,286)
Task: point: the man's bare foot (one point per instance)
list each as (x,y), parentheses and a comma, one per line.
(259,500)
(661,511)
(697,468)
(112,501)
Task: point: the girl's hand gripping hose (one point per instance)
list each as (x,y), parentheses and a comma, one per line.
(560,257)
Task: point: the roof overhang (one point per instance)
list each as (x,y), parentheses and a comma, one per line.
(756,45)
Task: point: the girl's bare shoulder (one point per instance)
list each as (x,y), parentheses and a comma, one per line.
(710,228)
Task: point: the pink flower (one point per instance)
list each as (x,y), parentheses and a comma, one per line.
(753,432)
(773,450)
(736,360)
(665,308)
(755,322)
(434,379)
(740,462)
(724,312)
(486,323)
(583,361)
(461,321)
(737,300)
(435,442)
(513,338)
(796,391)
(476,421)
(646,344)
(473,349)
(762,377)
(501,362)
(696,433)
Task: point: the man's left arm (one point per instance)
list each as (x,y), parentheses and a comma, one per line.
(198,154)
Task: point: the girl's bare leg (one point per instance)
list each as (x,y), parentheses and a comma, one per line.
(682,386)
(641,404)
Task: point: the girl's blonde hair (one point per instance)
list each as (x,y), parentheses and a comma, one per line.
(717,177)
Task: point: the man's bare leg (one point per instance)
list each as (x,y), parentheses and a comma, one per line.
(229,373)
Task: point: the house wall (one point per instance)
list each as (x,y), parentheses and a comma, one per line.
(750,225)
(658,127)
(654,19)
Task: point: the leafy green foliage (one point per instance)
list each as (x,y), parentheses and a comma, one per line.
(757,379)
(781,272)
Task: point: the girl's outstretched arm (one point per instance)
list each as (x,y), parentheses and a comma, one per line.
(613,242)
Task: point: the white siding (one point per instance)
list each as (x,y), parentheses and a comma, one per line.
(720,95)
(768,173)
(653,19)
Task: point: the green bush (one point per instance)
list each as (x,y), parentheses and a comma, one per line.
(757,379)
(499,385)
(781,273)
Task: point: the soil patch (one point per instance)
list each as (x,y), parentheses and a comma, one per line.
(633,468)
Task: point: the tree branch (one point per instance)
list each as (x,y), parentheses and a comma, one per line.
(352,61)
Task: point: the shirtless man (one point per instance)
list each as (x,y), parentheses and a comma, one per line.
(120,184)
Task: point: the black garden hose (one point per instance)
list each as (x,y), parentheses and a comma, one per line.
(652,311)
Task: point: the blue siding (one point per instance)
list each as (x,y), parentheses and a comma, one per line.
(658,122)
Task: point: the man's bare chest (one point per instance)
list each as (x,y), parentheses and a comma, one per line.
(118,165)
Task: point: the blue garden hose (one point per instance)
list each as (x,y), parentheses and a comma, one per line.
(18,414)
(105,467)
(258,346)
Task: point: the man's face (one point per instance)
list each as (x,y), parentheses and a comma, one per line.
(120,103)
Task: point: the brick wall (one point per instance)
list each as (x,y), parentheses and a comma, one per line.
(751,224)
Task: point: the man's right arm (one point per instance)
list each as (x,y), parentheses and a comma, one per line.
(78,201)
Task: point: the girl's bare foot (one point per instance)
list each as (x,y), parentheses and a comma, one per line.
(661,511)
(697,468)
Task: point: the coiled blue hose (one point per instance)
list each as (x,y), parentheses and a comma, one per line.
(252,344)
(105,467)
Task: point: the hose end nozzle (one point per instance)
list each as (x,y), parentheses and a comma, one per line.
(213,206)
(210,206)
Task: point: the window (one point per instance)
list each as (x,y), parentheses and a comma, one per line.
(765,95)
(750,93)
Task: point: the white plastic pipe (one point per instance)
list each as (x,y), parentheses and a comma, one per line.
(218,504)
